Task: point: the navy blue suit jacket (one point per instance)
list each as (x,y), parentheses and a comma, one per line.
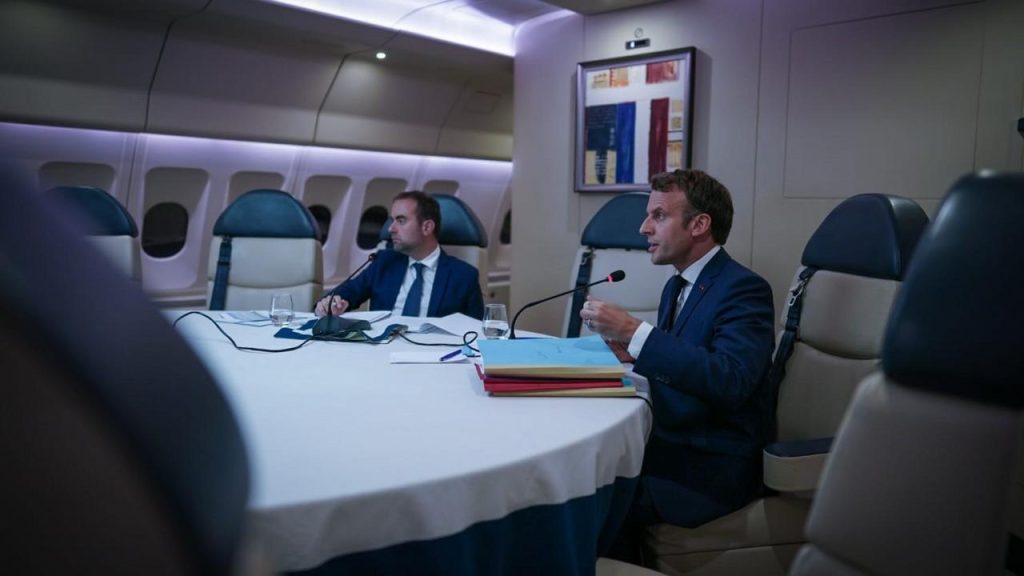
(456,286)
(712,404)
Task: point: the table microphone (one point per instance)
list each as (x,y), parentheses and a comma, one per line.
(331,324)
(616,276)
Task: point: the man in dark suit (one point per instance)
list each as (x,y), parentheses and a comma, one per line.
(706,361)
(416,278)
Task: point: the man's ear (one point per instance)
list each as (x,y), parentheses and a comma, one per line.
(427,227)
(700,224)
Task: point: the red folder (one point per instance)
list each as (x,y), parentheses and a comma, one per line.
(516,384)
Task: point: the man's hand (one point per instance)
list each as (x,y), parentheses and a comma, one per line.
(608,320)
(620,351)
(339,306)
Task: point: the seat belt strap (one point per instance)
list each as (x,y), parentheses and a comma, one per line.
(788,339)
(220,279)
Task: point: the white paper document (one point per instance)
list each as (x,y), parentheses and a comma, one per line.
(370,316)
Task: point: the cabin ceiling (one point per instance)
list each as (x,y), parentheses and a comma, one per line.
(273,70)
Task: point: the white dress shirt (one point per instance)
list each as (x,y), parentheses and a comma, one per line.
(429,271)
(692,272)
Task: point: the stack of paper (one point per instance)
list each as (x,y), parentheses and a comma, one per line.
(552,367)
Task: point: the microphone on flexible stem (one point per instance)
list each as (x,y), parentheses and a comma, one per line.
(331,324)
(616,276)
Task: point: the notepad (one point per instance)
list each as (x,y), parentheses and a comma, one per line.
(588,358)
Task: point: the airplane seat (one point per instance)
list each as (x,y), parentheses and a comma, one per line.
(612,241)
(123,456)
(851,270)
(462,235)
(274,247)
(921,470)
(107,223)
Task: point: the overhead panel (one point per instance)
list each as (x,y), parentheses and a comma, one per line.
(62,65)
(252,71)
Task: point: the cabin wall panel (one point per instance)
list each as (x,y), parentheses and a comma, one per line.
(907,65)
(53,156)
(63,65)
(903,80)
(224,86)
(189,188)
(331,191)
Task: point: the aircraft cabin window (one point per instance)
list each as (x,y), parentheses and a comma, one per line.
(322,215)
(506,229)
(370,225)
(164,230)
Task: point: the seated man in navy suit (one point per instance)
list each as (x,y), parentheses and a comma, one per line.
(416,278)
(706,361)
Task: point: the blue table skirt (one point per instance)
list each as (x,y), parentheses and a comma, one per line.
(557,539)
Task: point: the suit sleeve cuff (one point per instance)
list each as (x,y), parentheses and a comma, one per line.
(636,343)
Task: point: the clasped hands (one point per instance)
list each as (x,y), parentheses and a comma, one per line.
(613,323)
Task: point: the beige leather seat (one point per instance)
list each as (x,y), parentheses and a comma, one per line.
(275,247)
(612,241)
(109,226)
(857,257)
(920,474)
(122,455)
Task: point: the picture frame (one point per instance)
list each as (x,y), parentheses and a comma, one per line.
(634,118)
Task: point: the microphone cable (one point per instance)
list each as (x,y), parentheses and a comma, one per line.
(311,338)
(232,340)
(467,340)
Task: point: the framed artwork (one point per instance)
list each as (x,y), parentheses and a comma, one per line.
(634,119)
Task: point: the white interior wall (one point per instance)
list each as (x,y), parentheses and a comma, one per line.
(799,104)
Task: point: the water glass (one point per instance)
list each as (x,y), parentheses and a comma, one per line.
(281,310)
(495,321)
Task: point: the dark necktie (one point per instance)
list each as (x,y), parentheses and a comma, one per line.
(412,301)
(670,300)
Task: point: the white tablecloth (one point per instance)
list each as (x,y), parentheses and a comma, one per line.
(351,453)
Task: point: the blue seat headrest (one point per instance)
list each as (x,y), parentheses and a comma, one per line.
(870,235)
(956,325)
(131,368)
(459,224)
(266,214)
(100,213)
(617,223)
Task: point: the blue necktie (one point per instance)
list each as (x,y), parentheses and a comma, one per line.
(669,301)
(412,301)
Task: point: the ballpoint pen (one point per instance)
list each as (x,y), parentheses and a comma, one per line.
(450,355)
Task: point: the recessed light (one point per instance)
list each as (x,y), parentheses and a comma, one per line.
(381,55)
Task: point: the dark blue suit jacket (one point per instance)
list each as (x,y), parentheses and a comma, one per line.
(712,405)
(456,286)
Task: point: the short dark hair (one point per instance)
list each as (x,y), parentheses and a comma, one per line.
(427,207)
(705,194)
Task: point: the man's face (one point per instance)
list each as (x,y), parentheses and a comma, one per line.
(407,232)
(668,240)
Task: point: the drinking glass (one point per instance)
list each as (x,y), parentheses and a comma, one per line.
(495,321)
(281,310)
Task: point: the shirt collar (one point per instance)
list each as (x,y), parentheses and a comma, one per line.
(692,272)
(430,261)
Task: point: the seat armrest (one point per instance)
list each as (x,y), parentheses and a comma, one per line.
(796,465)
